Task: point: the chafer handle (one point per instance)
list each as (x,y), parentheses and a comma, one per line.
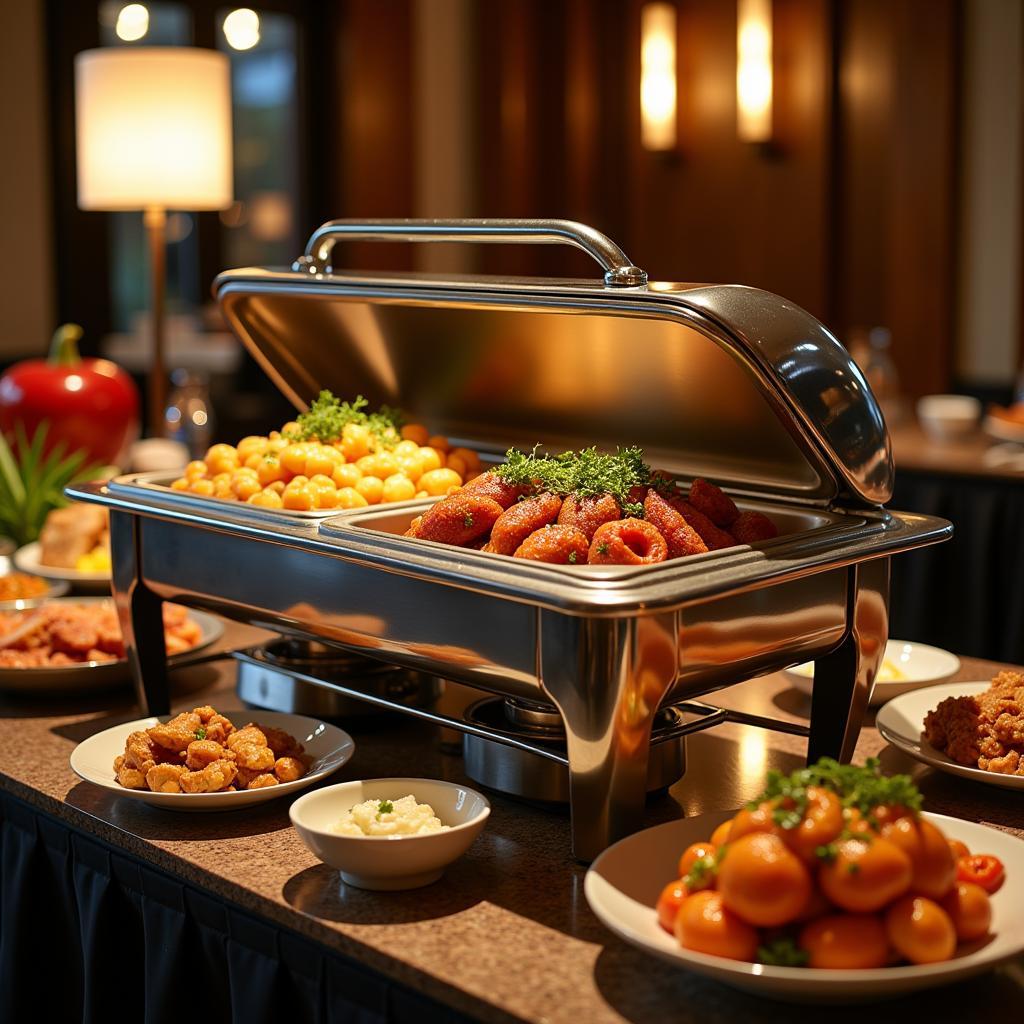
(618,271)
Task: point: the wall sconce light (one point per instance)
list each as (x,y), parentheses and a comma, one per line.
(658,76)
(754,70)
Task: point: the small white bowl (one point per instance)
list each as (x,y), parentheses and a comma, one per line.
(390,862)
(945,417)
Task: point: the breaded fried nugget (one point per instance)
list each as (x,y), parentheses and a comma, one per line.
(138,751)
(713,502)
(280,742)
(217,775)
(201,752)
(253,756)
(178,733)
(250,734)
(262,781)
(588,513)
(218,729)
(515,524)
(131,778)
(459,519)
(557,544)
(165,778)
(288,769)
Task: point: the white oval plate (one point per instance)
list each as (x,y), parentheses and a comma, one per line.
(329,746)
(97,675)
(901,723)
(623,884)
(920,664)
(27,560)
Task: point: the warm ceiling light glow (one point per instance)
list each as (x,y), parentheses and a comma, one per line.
(658,76)
(754,70)
(132,22)
(242,28)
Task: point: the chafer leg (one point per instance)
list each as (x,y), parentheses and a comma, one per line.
(607,677)
(140,612)
(843,679)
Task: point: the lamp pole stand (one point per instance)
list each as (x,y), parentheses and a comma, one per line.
(155,220)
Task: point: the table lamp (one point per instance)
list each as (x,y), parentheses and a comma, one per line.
(153,127)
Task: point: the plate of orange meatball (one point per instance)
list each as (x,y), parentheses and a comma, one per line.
(208,760)
(833,885)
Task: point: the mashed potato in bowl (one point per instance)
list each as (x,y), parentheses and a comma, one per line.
(402,817)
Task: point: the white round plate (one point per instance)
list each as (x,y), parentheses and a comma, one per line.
(1003,430)
(623,884)
(329,746)
(27,560)
(919,664)
(97,675)
(901,723)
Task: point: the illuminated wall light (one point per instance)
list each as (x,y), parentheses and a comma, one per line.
(754,70)
(242,28)
(658,76)
(132,22)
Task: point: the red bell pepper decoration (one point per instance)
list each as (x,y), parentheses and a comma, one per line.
(90,404)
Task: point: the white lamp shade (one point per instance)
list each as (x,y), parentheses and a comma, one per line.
(153,128)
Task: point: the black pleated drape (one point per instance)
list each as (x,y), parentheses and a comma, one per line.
(114,939)
(966,595)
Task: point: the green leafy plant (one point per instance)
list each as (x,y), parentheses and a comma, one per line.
(32,481)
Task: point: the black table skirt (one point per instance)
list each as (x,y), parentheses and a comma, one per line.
(114,939)
(966,595)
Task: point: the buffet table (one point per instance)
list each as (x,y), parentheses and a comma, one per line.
(146,914)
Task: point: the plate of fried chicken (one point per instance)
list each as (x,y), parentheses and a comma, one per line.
(209,760)
(974,730)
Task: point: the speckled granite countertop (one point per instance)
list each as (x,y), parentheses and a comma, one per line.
(507,934)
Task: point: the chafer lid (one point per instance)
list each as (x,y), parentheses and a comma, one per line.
(723,381)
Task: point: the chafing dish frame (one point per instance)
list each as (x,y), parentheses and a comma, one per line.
(608,650)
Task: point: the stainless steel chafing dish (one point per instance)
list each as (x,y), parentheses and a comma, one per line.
(722,381)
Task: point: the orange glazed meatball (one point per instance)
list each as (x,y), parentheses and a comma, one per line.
(490,485)
(627,542)
(587,514)
(713,502)
(459,519)
(515,524)
(562,545)
(682,539)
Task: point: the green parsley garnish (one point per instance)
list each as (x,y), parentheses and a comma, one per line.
(782,952)
(704,868)
(602,548)
(328,416)
(384,807)
(572,557)
(467,520)
(587,473)
(200,733)
(862,787)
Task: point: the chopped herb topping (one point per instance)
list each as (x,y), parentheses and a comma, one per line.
(704,868)
(328,416)
(384,807)
(602,548)
(200,733)
(572,557)
(467,520)
(586,473)
(782,952)
(860,787)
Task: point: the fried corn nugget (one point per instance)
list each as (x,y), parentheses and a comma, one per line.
(681,537)
(459,519)
(217,775)
(165,778)
(250,734)
(627,542)
(515,524)
(200,753)
(588,513)
(490,485)
(713,502)
(253,756)
(280,742)
(750,527)
(288,769)
(262,781)
(557,544)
